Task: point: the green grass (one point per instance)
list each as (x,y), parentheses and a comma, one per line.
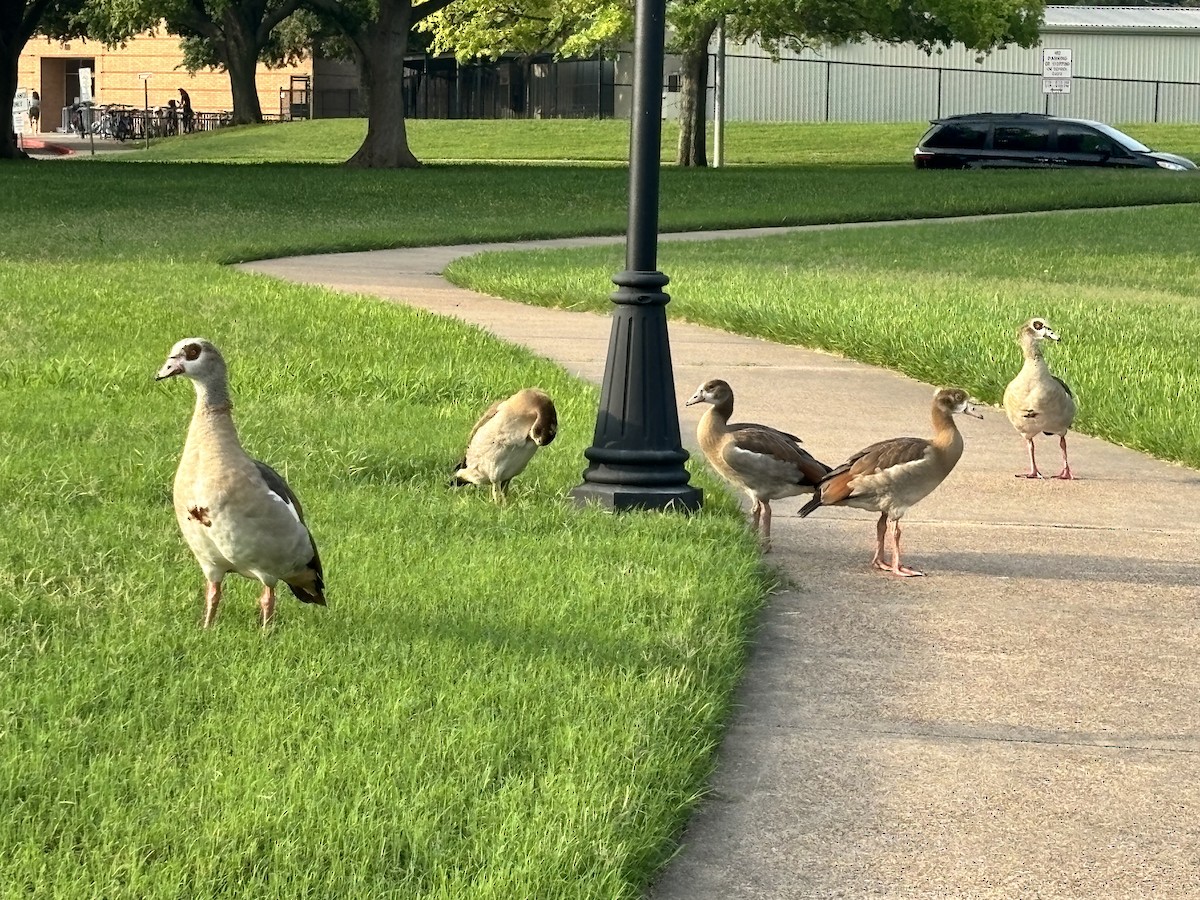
(590,140)
(941,302)
(222,213)
(498,702)
(516,701)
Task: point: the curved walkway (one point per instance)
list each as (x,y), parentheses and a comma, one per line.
(1025,722)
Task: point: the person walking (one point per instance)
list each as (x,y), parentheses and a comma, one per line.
(35,112)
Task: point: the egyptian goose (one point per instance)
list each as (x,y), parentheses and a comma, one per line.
(890,476)
(766,463)
(505,438)
(1036,400)
(236,513)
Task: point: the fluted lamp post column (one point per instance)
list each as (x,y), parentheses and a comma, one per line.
(636,458)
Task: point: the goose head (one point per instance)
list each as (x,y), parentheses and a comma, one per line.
(194,358)
(715,392)
(545,424)
(1038,329)
(955,400)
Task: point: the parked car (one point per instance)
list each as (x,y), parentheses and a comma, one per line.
(1032,140)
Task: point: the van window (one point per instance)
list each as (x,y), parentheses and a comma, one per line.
(1074,138)
(1028,138)
(959,136)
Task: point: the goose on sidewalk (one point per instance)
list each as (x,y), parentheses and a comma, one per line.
(1037,401)
(505,438)
(890,476)
(766,463)
(237,514)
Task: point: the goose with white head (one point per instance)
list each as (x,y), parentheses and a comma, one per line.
(1038,402)
(237,514)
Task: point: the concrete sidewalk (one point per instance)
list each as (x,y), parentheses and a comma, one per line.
(1025,722)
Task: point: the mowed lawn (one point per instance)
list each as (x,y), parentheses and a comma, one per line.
(499,702)
(593,141)
(516,701)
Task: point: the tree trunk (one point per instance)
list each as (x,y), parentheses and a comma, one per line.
(383,48)
(240,50)
(693,97)
(12,41)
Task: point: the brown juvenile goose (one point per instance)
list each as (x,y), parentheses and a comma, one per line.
(1037,401)
(893,475)
(236,513)
(505,438)
(767,464)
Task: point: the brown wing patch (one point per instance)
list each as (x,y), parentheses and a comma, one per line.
(885,454)
(836,487)
(200,514)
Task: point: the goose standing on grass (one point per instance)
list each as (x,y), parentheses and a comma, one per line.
(505,438)
(890,476)
(766,463)
(236,513)
(1037,401)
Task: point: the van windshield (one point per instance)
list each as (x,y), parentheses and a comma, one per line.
(1120,137)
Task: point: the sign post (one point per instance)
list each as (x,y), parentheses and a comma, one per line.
(1057,66)
(85,100)
(145,77)
(20,113)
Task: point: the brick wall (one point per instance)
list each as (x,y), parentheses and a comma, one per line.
(45,66)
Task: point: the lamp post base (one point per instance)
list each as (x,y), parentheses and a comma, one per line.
(683,498)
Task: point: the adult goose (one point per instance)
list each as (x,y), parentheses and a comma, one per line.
(237,514)
(505,438)
(1037,401)
(891,476)
(766,463)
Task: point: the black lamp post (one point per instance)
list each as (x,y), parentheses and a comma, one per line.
(636,458)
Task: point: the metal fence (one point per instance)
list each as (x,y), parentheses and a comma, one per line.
(759,89)
(441,88)
(809,90)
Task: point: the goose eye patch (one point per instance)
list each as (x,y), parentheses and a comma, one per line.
(191,352)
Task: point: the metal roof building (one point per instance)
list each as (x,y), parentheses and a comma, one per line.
(1130,64)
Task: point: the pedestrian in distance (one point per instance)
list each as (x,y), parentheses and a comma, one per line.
(189,117)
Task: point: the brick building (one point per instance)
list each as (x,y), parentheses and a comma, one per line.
(51,68)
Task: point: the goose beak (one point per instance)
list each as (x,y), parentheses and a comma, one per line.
(969,410)
(173,366)
(697,397)
(1053,335)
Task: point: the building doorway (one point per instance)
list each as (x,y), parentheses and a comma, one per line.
(60,89)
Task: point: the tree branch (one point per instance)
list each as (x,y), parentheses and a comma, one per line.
(271,19)
(425,10)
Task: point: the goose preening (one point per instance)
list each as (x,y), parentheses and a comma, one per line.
(890,476)
(237,514)
(1037,401)
(505,438)
(766,463)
